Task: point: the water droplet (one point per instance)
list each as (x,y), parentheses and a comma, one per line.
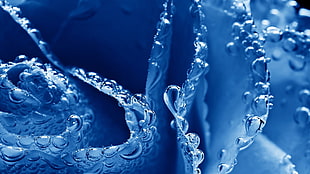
(94,154)
(79,155)
(8,139)
(254,125)
(171,95)
(182,124)
(259,67)
(225,168)
(12,154)
(304,96)
(35,34)
(75,123)
(42,141)
(197,171)
(236,28)
(289,45)
(250,52)
(67,159)
(59,142)
(297,64)
(273,34)
(244,143)
(111,151)
(260,104)
(301,116)
(198,157)
(247,97)
(194,139)
(17,95)
(232,49)
(277,54)
(20,58)
(221,154)
(25,141)
(134,152)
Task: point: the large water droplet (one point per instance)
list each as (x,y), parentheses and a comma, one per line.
(135,151)
(171,95)
(12,154)
(253,125)
(301,116)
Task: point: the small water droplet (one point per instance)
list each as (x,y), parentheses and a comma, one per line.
(25,141)
(289,45)
(260,104)
(273,34)
(59,142)
(94,154)
(297,64)
(253,125)
(244,143)
(12,154)
(301,116)
(17,95)
(79,155)
(75,123)
(42,141)
(250,52)
(182,124)
(232,49)
(304,96)
(67,159)
(225,168)
(221,154)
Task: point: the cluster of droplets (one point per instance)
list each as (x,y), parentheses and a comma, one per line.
(258,99)
(179,99)
(41,114)
(138,115)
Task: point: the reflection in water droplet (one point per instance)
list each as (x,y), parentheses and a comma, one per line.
(301,116)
